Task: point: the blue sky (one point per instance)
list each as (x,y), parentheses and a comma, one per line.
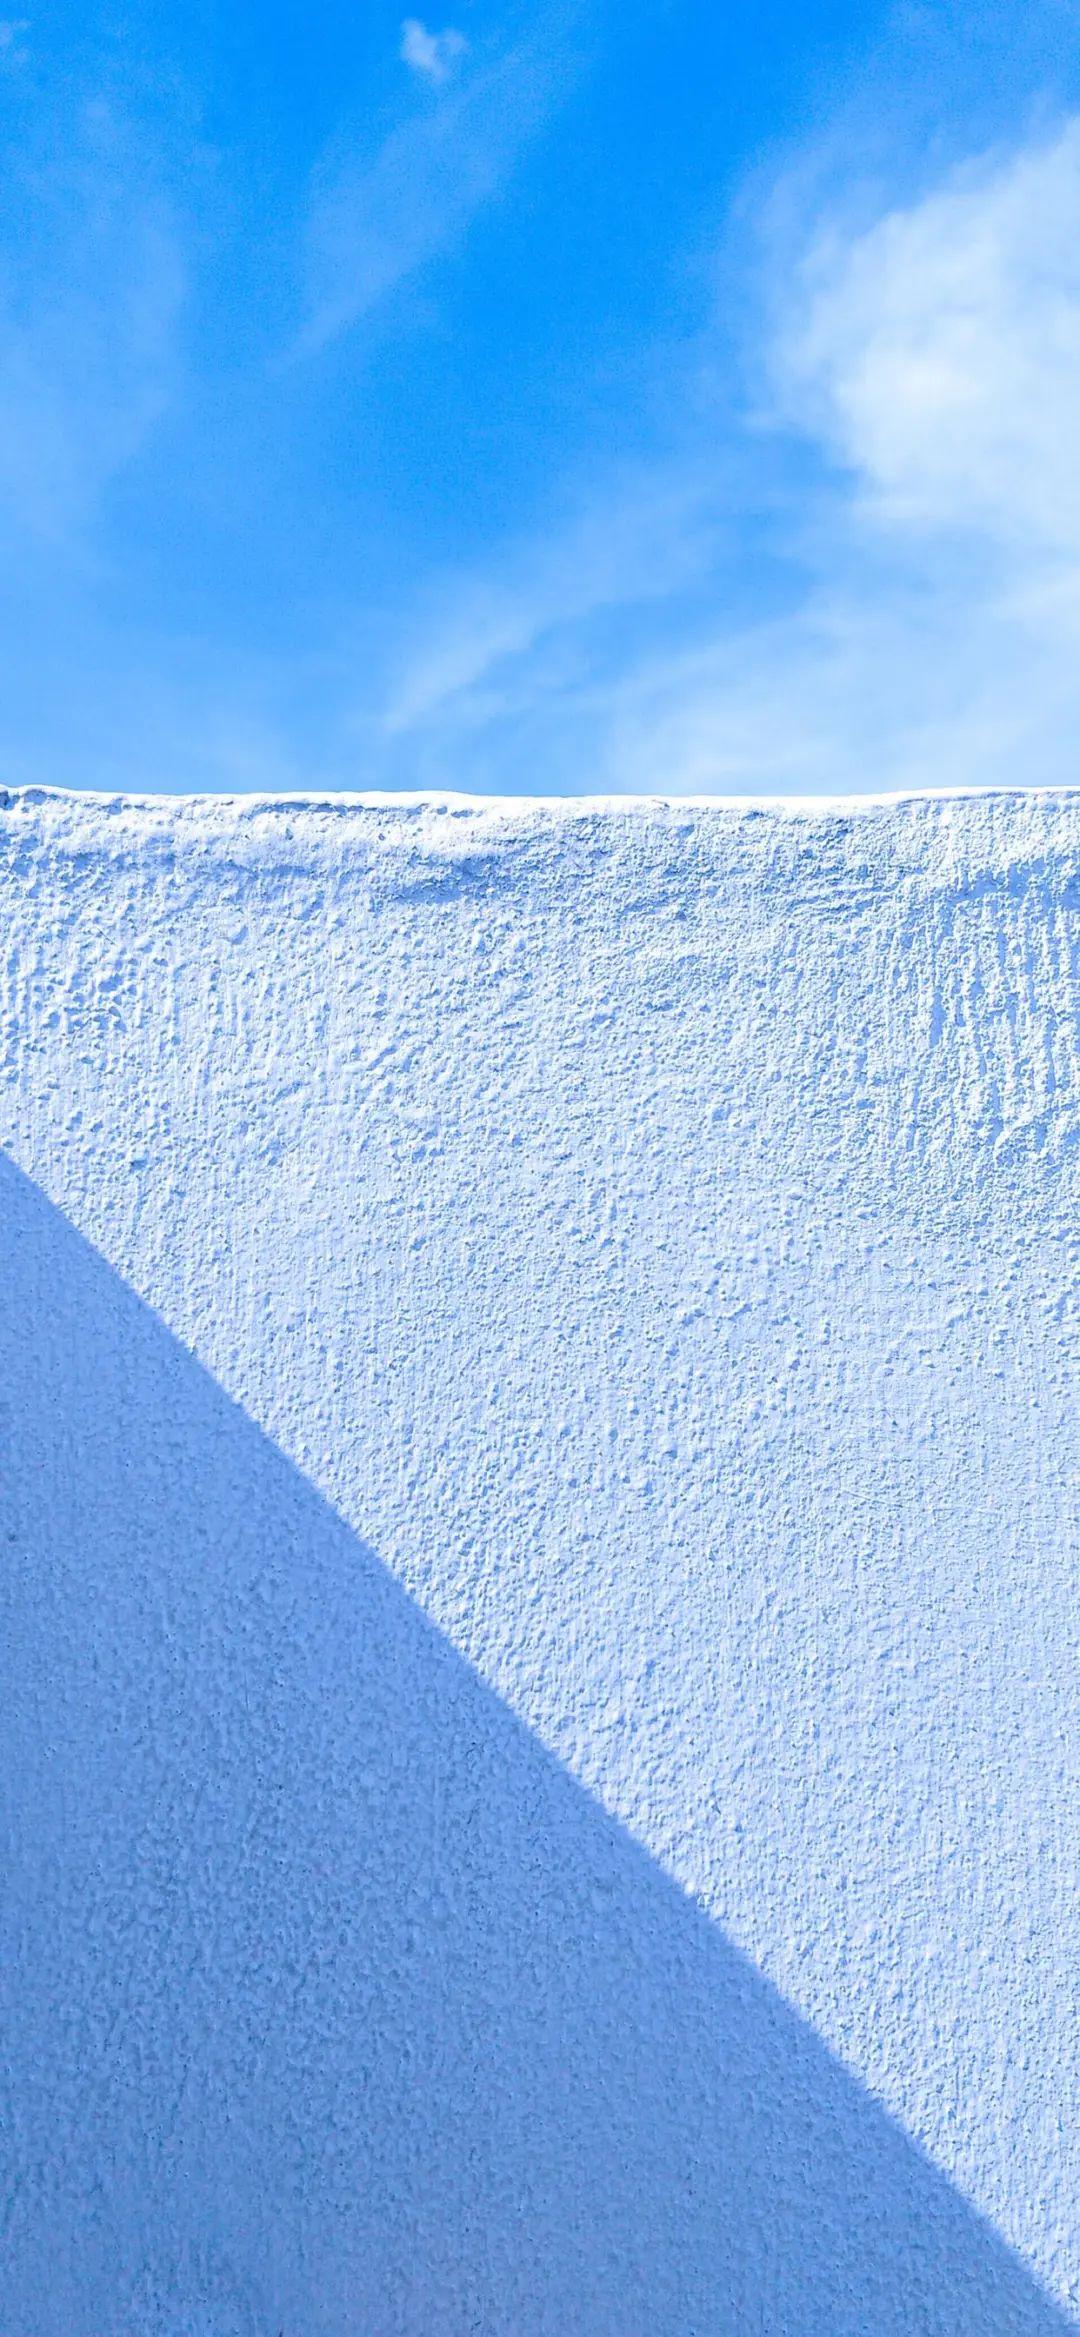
(581,398)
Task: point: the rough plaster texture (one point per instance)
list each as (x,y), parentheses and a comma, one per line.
(539,1367)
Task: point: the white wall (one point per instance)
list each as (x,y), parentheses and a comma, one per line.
(539,1367)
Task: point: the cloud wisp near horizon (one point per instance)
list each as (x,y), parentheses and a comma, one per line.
(558,404)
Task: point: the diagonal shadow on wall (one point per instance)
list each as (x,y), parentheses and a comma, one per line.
(333,2006)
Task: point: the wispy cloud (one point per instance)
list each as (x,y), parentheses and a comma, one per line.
(13,49)
(433,55)
(90,293)
(929,629)
(375,220)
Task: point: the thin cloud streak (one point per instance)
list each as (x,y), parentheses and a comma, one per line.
(375,222)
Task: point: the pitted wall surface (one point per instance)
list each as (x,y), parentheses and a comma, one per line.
(539,1360)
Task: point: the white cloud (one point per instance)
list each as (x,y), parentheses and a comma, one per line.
(931,625)
(432,54)
(935,357)
(938,354)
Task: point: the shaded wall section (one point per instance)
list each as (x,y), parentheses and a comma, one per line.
(334,2002)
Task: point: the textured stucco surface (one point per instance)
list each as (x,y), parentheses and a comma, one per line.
(539,1360)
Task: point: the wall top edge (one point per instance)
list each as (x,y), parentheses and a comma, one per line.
(211,807)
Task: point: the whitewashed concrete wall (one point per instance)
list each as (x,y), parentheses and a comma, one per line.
(539,1372)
